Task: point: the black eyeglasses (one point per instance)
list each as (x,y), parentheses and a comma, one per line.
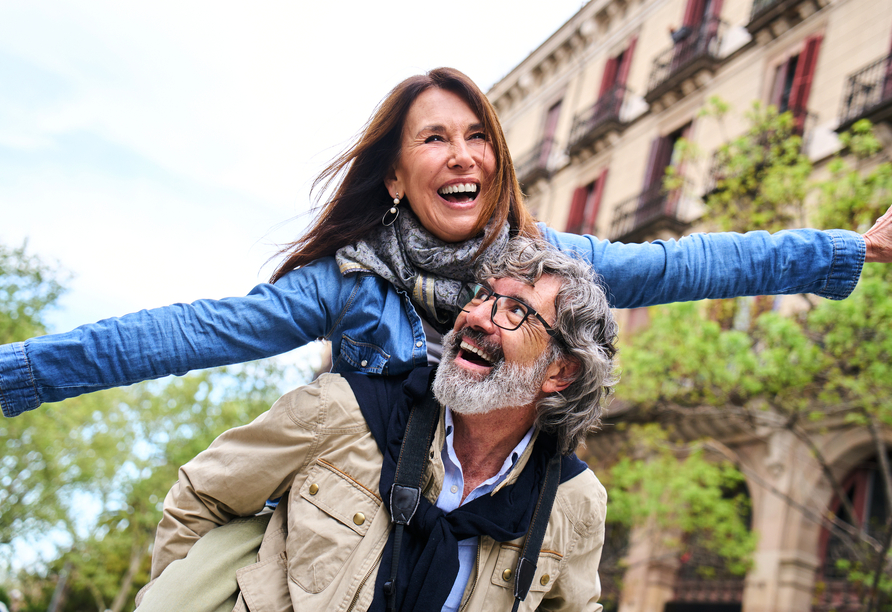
(507,312)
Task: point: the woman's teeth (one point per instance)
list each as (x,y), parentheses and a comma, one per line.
(458,188)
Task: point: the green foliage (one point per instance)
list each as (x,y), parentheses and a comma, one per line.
(115,452)
(28,288)
(737,360)
(681,491)
(761,177)
(855,196)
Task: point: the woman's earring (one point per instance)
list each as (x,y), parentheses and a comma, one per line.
(394,211)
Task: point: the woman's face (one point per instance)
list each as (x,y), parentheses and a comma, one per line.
(445,161)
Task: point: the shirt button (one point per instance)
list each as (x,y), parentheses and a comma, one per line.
(454,489)
(419,344)
(364,362)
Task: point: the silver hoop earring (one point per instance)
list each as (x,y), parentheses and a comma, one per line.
(392,211)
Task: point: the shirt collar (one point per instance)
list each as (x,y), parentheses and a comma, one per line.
(510,460)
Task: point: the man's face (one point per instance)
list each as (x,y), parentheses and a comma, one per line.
(485,367)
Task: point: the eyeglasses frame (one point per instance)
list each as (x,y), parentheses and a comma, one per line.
(495,304)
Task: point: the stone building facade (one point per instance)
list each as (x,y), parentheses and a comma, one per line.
(591,118)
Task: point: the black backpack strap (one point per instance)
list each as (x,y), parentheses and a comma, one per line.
(526,565)
(405,493)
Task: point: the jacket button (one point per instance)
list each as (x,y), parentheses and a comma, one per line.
(359,518)
(419,344)
(364,362)
(314,488)
(544,579)
(506,575)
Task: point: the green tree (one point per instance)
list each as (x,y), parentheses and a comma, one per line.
(93,470)
(762,371)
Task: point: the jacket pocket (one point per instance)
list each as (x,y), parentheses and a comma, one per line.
(363,356)
(547,568)
(326,523)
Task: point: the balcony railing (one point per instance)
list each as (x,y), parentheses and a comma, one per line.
(868,94)
(533,165)
(647,212)
(764,12)
(596,121)
(693,51)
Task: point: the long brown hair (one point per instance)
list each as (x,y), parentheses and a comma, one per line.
(361,198)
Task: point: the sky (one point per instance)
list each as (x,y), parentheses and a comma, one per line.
(161,151)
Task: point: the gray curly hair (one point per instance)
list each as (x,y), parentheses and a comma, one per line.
(587,336)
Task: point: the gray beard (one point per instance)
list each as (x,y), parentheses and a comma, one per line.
(507,385)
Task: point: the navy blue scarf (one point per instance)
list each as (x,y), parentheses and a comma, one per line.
(429,557)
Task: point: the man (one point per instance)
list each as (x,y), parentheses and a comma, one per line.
(523,375)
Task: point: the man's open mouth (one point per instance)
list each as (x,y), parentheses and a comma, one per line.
(475,355)
(459,193)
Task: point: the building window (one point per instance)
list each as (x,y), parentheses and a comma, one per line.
(584,206)
(616,71)
(792,82)
(662,155)
(864,491)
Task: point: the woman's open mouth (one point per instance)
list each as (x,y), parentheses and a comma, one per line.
(459,193)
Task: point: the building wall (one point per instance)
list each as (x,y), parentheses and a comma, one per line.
(782,477)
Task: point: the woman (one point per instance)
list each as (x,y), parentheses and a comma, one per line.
(427,193)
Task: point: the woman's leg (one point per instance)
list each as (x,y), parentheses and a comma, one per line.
(205,580)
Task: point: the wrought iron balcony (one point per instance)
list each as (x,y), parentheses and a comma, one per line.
(650,211)
(694,51)
(766,12)
(868,94)
(597,121)
(533,165)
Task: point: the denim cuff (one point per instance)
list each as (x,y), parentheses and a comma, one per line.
(18,392)
(849,251)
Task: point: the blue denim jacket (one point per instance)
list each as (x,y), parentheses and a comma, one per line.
(374,328)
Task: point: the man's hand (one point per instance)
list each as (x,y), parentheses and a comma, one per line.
(879,239)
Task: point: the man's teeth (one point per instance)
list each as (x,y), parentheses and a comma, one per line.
(479,352)
(459,188)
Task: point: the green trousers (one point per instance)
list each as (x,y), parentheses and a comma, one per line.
(205,580)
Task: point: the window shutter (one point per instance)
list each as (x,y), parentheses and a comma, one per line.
(693,13)
(594,203)
(802,79)
(651,162)
(577,210)
(623,73)
(609,77)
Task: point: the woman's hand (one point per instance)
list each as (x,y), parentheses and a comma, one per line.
(879,239)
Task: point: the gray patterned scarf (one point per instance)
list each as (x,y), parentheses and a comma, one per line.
(429,270)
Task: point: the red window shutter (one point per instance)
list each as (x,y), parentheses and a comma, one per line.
(651,162)
(805,71)
(577,210)
(609,77)
(594,203)
(715,9)
(693,13)
(623,74)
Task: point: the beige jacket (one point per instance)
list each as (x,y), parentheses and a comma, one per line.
(324,542)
